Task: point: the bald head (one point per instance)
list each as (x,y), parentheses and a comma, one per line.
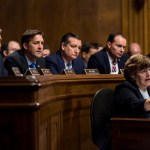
(134,48)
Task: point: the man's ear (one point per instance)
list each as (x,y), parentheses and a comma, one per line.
(63,46)
(25,45)
(5,53)
(108,44)
(83,54)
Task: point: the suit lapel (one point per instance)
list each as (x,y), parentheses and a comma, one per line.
(106,61)
(60,61)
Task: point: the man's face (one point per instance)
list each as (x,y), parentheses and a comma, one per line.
(72,49)
(45,52)
(92,51)
(117,47)
(13,46)
(35,47)
(135,49)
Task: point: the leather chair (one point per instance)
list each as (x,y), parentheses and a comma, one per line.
(101,112)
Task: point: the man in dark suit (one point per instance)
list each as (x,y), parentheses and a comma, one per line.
(68,55)
(32,46)
(112,58)
(0,38)
(3,72)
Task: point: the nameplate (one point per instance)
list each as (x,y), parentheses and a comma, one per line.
(68,71)
(32,71)
(44,71)
(16,71)
(91,71)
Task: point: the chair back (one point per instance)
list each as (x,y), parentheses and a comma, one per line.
(101,112)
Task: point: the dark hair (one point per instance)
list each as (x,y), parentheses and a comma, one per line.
(46,46)
(3,48)
(135,63)
(113,35)
(28,35)
(87,46)
(65,38)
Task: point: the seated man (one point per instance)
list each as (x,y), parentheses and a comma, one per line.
(46,51)
(0,37)
(134,48)
(31,53)
(3,72)
(87,50)
(9,47)
(68,54)
(112,58)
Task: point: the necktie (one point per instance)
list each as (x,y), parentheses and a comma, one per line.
(33,65)
(114,65)
(69,65)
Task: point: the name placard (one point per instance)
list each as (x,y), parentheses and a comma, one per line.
(91,71)
(68,71)
(32,71)
(16,71)
(44,71)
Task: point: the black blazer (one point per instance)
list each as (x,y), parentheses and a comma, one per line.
(56,64)
(3,71)
(129,102)
(18,59)
(100,61)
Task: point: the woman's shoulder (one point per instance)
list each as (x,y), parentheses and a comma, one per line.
(126,85)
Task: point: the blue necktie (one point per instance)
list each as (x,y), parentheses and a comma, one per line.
(69,65)
(33,65)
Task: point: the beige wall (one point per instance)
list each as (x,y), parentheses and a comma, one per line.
(93,20)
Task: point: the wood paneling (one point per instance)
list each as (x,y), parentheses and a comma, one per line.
(130,133)
(136,23)
(93,20)
(53,114)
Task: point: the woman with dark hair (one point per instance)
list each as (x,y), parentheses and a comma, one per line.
(132,98)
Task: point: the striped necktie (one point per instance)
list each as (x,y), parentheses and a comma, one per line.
(114,65)
(69,65)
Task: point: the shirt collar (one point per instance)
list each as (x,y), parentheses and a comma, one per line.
(28,61)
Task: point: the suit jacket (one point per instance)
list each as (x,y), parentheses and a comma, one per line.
(56,64)
(3,71)
(129,101)
(100,61)
(18,59)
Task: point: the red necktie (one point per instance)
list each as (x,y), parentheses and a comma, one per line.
(114,65)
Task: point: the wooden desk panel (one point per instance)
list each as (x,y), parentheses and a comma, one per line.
(49,112)
(130,133)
